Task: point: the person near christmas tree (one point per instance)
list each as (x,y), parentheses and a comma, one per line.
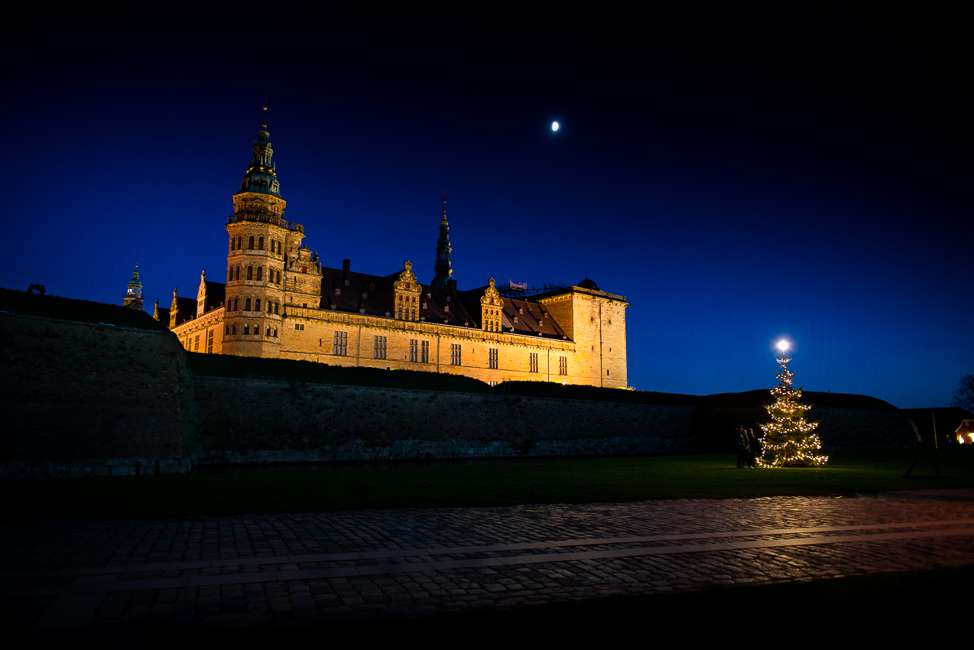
(789,439)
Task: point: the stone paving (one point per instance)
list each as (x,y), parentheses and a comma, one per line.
(371,565)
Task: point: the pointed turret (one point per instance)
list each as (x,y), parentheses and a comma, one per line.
(261,174)
(443,271)
(133,295)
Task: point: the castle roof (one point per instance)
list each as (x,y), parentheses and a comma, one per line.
(216,293)
(374,295)
(528,317)
(185,309)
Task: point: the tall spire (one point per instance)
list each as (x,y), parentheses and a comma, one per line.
(261,174)
(443,270)
(133,294)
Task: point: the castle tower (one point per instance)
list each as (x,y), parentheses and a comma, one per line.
(443,270)
(596,321)
(133,295)
(258,240)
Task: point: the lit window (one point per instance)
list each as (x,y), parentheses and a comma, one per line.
(492,358)
(413,350)
(424,352)
(379,347)
(456,358)
(340,345)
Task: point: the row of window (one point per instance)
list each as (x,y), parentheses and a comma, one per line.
(273,275)
(236,244)
(419,351)
(192,344)
(255,330)
(233,304)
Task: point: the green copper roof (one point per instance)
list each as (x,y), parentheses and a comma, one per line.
(261,175)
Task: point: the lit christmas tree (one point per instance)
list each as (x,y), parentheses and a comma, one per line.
(789,439)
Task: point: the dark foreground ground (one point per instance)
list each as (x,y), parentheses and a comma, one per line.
(481,483)
(892,565)
(914,607)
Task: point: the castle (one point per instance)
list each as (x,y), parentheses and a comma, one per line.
(280,301)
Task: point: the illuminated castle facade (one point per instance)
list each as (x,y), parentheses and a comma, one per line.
(281,301)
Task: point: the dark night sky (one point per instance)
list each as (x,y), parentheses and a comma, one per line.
(736,175)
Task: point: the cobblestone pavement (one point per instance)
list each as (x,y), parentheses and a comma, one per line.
(320,567)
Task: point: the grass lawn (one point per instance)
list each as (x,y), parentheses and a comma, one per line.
(470,483)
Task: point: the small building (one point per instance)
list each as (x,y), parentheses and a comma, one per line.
(965,432)
(945,421)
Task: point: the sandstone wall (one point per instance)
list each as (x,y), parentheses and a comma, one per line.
(91,398)
(247,420)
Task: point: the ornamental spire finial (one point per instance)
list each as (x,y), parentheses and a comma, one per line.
(261,174)
(443,270)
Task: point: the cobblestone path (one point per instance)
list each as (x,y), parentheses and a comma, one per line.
(279,569)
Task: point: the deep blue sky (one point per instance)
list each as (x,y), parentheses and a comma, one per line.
(736,176)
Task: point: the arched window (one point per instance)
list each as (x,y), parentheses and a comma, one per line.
(257,304)
(260,273)
(238,272)
(229,273)
(246,306)
(260,243)
(250,273)
(233,246)
(268,331)
(246,329)
(250,243)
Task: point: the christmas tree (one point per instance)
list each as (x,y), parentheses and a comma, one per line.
(789,439)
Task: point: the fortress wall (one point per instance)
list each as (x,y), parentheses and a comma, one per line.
(840,427)
(83,398)
(253,420)
(857,428)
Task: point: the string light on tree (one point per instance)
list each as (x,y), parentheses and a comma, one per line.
(789,439)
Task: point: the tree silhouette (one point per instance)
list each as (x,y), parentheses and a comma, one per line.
(964,397)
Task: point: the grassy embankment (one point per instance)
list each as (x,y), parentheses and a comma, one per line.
(470,483)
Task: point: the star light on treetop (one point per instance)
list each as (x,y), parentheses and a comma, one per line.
(783,345)
(555,126)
